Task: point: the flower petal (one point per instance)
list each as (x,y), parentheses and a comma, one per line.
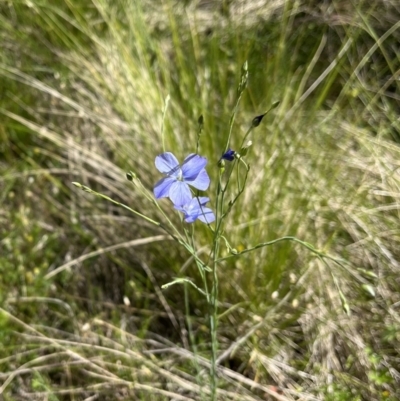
(180,194)
(202,181)
(195,209)
(190,218)
(163,187)
(202,200)
(167,163)
(206,215)
(192,166)
(187,210)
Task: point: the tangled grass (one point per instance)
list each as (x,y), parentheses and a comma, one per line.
(84,87)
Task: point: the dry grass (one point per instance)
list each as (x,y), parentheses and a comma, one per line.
(324,168)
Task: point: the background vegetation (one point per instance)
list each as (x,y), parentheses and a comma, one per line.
(82,89)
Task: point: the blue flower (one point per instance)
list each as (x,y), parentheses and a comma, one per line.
(228,155)
(178,177)
(195,210)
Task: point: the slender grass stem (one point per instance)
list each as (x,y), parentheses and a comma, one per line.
(214,320)
(275,241)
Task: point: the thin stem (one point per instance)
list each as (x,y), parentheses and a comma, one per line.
(240,188)
(214,320)
(240,90)
(190,332)
(174,233)
(163,121)
(87,189)
(199,131)
(286,238)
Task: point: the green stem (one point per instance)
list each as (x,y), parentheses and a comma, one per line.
(214,320)
(241,88)
(191,334)
(275,241)
(89,190)
(213,304)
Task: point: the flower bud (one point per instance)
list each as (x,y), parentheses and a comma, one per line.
(130,176)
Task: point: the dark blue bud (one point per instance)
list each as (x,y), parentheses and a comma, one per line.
(229,155)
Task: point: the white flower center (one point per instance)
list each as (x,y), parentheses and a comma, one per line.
(179,177)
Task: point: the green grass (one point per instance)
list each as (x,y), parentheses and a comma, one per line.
(83,86)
